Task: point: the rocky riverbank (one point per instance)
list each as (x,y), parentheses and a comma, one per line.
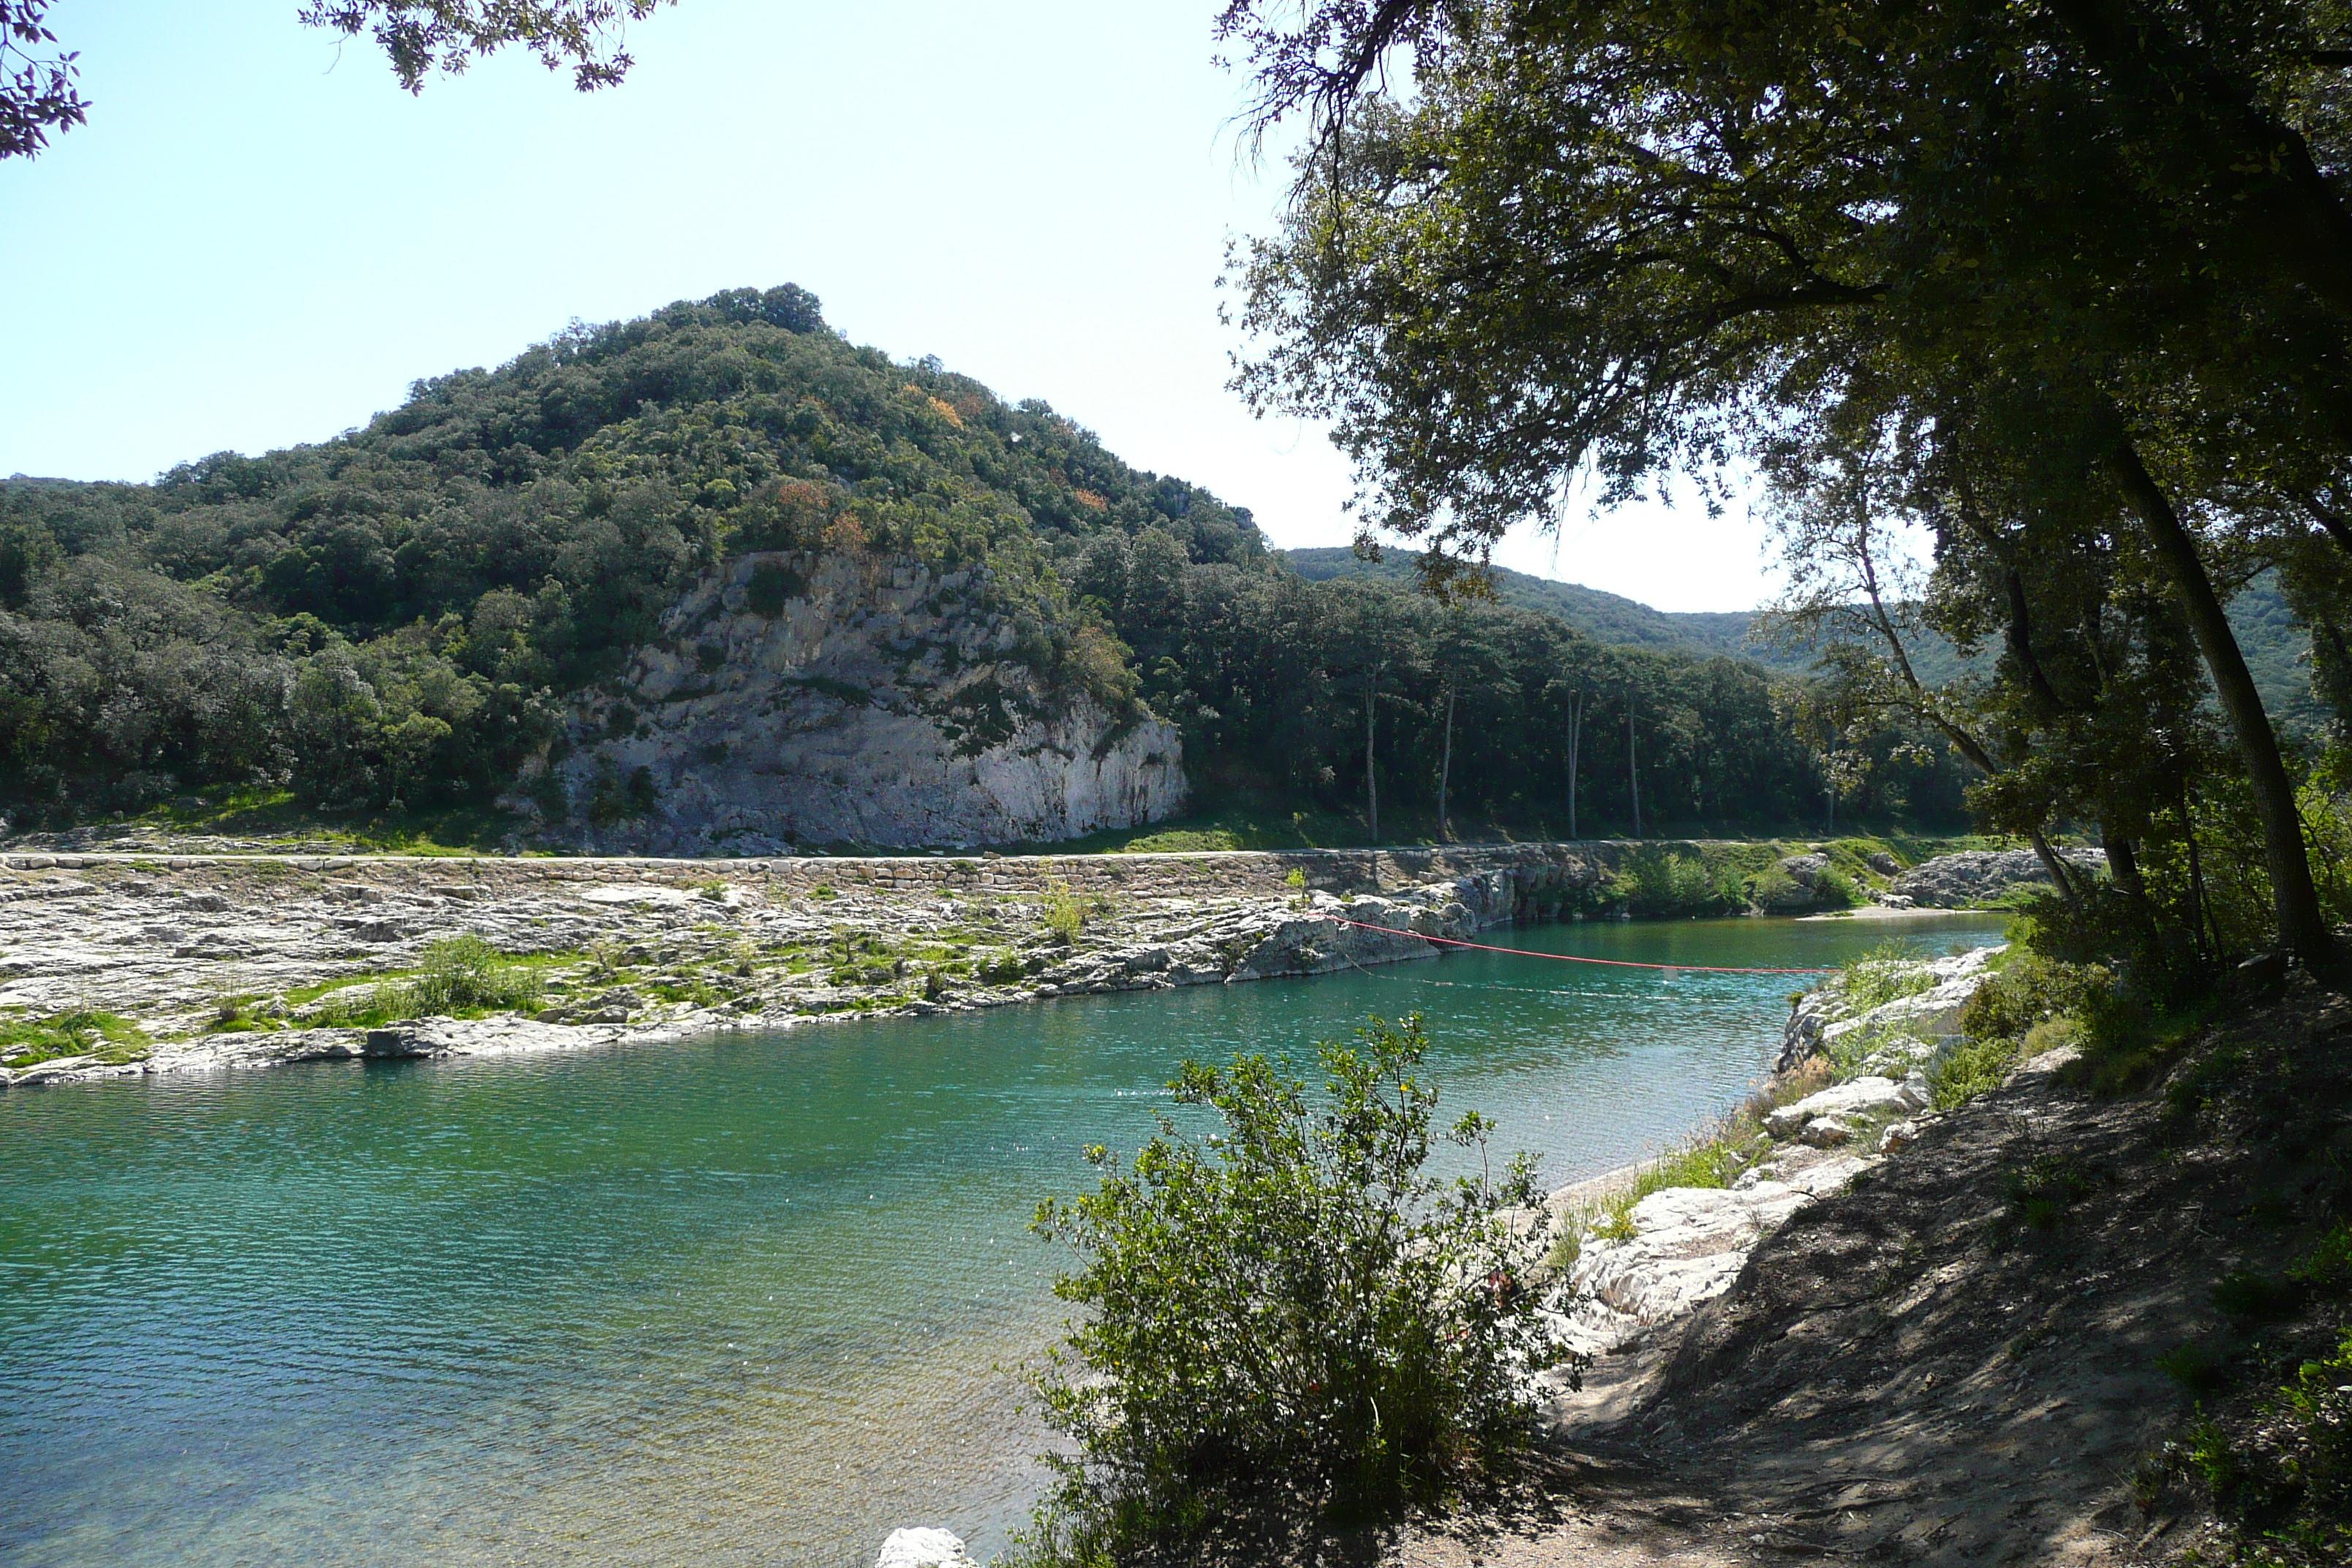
(190,963)
(124,962)
(1851,1087)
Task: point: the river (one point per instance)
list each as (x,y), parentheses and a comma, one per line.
(744,1299)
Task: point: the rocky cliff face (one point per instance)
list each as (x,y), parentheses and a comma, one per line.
(795,699)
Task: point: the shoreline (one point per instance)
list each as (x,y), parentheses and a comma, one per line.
(223,960)
(1679,1248)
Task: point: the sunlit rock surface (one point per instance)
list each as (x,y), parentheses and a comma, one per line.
(800,700)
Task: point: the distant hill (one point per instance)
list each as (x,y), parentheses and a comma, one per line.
(2277,650)
(1607,617)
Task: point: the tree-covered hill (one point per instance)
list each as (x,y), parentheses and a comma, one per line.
(404,616)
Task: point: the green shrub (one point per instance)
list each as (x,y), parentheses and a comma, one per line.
(2282,1481)
(1066,912)
(1286,1319)
(1976,1066)
(1659,881)
(2027,990)
(2326,1268)
(459,976)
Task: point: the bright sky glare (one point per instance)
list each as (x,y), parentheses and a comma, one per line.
(259,240)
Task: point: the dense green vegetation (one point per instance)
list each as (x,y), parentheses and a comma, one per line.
(386,624)
(2276,641)
(2034,320)
(1288,1320)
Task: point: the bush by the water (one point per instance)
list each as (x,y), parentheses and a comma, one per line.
(1288,1321)
(459,976)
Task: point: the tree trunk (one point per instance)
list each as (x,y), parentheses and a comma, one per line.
(2294,900)
(2199,906)
(1575,722)
(1633,767)
(1446,769)
(1371,781)
(2056,864)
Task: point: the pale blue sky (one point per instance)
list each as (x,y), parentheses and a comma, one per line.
(258,239)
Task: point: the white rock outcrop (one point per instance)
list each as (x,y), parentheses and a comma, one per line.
(1911,1030)
(796,698)
(1843,1104)
(923,1548)
(1977,877)
(1688,1245)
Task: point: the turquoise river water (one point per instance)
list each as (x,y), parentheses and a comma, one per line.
(755,1299)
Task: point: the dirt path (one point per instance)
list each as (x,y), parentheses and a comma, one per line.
(1955,1360)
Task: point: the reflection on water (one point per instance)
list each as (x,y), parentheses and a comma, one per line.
(734,1301)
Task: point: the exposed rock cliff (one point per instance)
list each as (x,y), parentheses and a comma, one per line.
(819,699)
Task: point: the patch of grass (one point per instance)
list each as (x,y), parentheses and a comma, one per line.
(1891,971)
(109,1037)
(2041,1190)
(460,977)
(1706,1162)
(271,812)
(301,996)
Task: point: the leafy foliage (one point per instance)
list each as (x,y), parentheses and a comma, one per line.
(2050,297)
(1287,1318)
(2284,1482)
(421,37)
(458,976)
(37,91)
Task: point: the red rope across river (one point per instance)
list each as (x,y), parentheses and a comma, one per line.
(1569,957)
